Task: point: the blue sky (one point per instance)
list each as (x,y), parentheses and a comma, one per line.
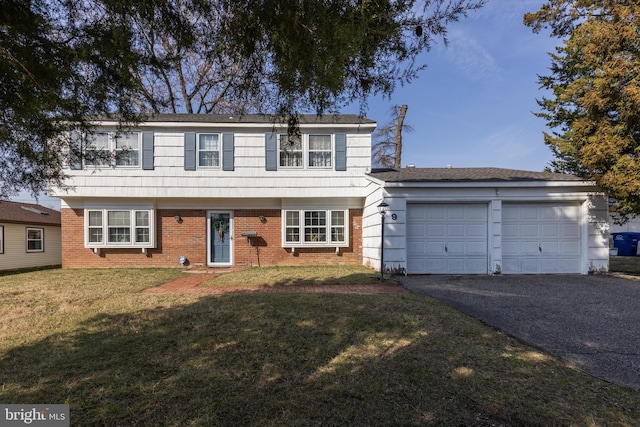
(473,105)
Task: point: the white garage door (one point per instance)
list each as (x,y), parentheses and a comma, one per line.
(541,238)
(447,238)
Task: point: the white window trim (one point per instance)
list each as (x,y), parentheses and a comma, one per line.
(132,229)
(1,239)
(305,152)
(40,240)
(328,226)
(219,150)
(112,137)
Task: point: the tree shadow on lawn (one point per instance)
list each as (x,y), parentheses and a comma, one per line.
(242,359)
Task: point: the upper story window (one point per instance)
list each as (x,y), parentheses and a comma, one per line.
(119,227)
(312,150)
(320,152)
(97,149)
(291,151)
(209,150)
(124,146)
(127,149)
(35,239)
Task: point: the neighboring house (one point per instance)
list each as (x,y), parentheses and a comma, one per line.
(486,220)
(29,236)
(236,191)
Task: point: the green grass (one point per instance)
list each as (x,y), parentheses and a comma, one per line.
(119,357)
(291,276)
(625,264)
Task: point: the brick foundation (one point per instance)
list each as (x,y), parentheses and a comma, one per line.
(189,238)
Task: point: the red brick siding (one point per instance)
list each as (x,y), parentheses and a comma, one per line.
(189,239)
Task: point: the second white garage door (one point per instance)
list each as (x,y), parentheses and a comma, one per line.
(541,238)
(447,238)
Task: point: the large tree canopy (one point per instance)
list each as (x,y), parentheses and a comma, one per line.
(65,61)
(595,81)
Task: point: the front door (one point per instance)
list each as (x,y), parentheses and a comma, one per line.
(220,238)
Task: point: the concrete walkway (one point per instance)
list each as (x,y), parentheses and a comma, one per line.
(189,285)
(592,322)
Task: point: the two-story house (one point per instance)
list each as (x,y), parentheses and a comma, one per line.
(239,191)
(219,191)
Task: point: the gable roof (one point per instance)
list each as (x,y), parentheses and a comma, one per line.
(27,213)
(412,174)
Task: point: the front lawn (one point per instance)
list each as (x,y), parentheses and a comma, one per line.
(291,276)
(118,357)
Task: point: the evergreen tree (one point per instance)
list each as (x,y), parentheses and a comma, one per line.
(594,112)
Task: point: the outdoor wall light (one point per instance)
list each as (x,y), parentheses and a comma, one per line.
(178,219)
(262,219)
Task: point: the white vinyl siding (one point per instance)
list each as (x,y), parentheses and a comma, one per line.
(119,228)
(248,179)
(315,228)
(35,239)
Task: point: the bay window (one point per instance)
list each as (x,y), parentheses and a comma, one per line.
(119,228)
(315,228)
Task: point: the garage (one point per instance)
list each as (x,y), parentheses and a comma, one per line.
(485,221)
(541,238)
(447,238)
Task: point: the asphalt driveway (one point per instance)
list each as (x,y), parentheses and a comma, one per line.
(592,322)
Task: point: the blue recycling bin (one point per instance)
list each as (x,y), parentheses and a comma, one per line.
(627,243)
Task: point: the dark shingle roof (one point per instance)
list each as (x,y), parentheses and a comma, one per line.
(258,118)
(466,175)
(27,213)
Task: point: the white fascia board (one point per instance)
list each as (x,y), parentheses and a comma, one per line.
(485,184)
(277,126)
